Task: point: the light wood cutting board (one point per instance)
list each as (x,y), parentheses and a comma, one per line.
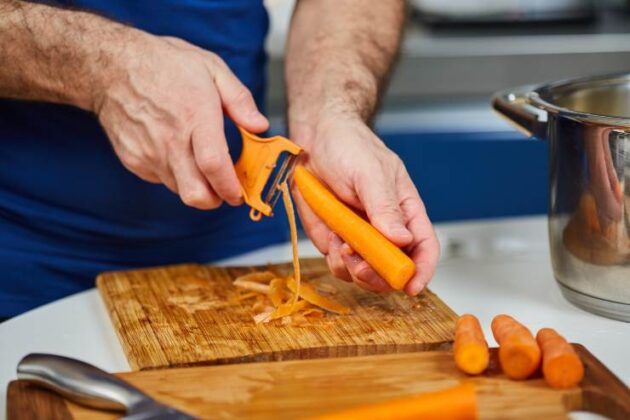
(300,389)
(180,316)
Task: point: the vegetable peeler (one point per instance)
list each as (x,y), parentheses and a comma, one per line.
(259,158)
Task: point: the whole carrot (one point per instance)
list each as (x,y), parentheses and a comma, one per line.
(561,365)
(519,353)
(456,403)
(470,348)
(381,254)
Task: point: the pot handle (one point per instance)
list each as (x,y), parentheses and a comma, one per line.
(513,104)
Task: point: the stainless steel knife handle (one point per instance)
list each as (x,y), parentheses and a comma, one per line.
(80,382)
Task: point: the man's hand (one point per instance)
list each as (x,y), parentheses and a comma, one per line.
(160,100)
(338,57)
(356,165)
(163,112)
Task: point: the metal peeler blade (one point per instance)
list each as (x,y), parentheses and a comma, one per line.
(259,158)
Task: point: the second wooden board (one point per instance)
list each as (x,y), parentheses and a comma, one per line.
(184,315)
(306,388)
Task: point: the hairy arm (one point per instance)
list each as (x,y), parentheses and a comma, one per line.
(339,55)
(56,55)
(160,100)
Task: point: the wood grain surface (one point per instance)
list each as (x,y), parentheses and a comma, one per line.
(182,316)
(301,389)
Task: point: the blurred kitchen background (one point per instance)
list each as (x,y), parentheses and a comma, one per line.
(467,162)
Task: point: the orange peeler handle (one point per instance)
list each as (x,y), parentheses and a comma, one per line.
(258,159)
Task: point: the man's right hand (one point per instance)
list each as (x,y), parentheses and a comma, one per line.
(161,103)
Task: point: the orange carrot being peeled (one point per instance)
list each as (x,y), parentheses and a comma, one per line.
(382,255)
(519,353)
(470,347)
(456,403)
(561,366)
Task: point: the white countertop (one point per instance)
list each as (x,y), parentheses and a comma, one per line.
(488,267)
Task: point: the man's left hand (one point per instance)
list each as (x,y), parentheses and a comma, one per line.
(344,153)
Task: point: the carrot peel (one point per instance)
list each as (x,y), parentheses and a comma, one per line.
(310,295)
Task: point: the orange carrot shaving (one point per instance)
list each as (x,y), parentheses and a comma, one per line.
(276,294)
(276,300)
(313,312)
(470,348)
(381,254)
(251,285)
(456,403)
(288,205)
(519,353)
(257,276)
(247,295)
(263,316)
(561,366)
(287,309)
(309,294)
(291,302)
(327,288)
(288,320)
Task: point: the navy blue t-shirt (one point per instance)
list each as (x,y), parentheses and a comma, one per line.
(69,209)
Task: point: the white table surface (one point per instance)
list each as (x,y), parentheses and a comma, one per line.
(488,267)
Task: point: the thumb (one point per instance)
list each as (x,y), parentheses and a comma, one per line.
(238,101)
(380,201)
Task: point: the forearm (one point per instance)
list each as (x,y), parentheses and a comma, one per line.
(339,54)
(56,55)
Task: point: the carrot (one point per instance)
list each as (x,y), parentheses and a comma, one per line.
(519,353)
(561,366)
(384,257)
(456,403)
(470,348)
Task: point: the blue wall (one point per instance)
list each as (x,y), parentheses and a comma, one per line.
(475,175)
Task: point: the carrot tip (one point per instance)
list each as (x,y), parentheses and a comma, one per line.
(564,371)
(472,358)
(519,361)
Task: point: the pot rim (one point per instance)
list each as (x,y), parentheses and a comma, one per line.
(535,98)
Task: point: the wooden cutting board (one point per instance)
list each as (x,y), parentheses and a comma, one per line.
(181,316)
(305,388)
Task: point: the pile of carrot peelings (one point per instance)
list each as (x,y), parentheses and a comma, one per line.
(286,298)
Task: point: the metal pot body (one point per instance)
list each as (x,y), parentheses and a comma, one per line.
(586,123)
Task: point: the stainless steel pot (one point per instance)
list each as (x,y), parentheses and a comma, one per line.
(587,125)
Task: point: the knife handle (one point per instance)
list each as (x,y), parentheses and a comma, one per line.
(80,382)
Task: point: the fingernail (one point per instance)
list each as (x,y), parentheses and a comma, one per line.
(415,289)
(345,249)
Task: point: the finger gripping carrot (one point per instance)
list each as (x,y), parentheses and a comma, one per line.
(456,403)
(519,353)
(382,255)
(561,366)
(470,348)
